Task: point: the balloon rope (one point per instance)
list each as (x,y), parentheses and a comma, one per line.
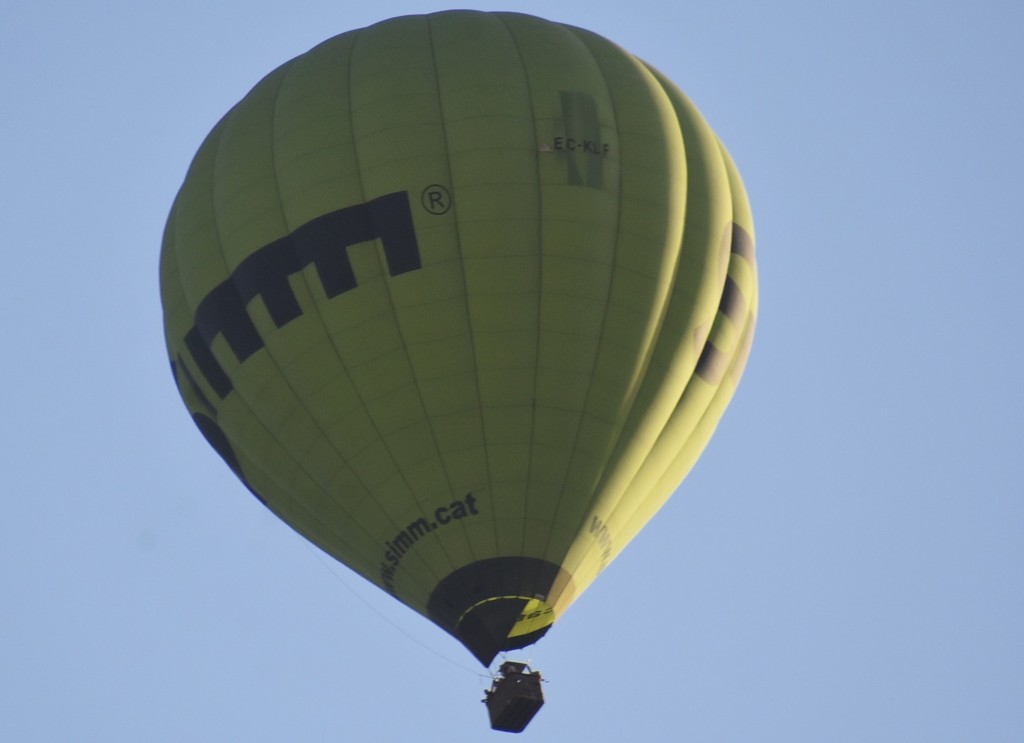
(330,569)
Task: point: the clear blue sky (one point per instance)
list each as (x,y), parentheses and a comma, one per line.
(844,564)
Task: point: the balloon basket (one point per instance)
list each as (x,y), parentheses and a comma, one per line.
(514,697)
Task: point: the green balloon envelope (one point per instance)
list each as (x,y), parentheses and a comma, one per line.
(461,298)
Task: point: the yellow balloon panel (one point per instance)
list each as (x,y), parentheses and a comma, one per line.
(459,297)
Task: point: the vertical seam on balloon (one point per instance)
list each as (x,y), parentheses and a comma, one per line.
(687,392)
(526,524)
(328,526)
(172,222)
(251,461)
(469,321)
(633,393)
(736,353)
(692,433)
(415,505)
(716,408)
(574,33)
(341,502)
(326,490)
(430,425)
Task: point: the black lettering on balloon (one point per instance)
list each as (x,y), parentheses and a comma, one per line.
(582,139)
(219,441)
(713,363)
(322,242)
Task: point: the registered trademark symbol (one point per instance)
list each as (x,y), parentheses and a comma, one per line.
(436,199)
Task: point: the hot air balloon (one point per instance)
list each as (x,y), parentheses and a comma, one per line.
(461,298)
